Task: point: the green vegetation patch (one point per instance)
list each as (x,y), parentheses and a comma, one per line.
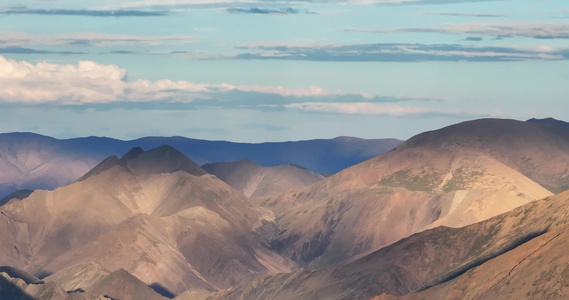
(460,179)
(413,180)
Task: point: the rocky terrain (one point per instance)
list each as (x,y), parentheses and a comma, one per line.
(155,214)
(256,181)
(519,254)
(476,210)
(455,176)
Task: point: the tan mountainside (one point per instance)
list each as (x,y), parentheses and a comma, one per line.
(171,229)
(454,176)
(537,269)
(519,254)
(80,282)
(255,180)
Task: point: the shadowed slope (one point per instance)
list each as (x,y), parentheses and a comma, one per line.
(454,176)
(478,260)
(147,214)
(17,195)
(255,180)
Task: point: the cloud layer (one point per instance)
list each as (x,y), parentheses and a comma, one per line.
(92,85)
(169,4)
(400,52)
(498,29)
(264,11)
(22,39)
(23,10)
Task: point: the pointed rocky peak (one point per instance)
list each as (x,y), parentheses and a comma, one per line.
(107,164)
(164,159)
(132,154)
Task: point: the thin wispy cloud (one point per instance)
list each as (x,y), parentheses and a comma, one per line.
(97,86)
(24,10)
(21,50)
(455,14)
(363,108)
(172,4)
(499,29)
(264,11)
(22,39)
(400,52)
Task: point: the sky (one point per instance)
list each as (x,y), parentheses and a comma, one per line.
(278,70)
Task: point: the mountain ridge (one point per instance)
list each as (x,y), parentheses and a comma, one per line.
(257,181)
(444,175)
(152,222)
(32,161)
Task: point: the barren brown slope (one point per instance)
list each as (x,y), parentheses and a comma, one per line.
(255,180)
(96,280)
(173,229)
(530,238)
(81,282)
(455,176)
(537,269)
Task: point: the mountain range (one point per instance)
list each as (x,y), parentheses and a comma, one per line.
(155,214)
(455,176)
(31,161)
(475,210)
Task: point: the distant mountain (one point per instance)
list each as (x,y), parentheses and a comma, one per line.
(517,255)
(549,121)
(455,176)
(255,180)
(17,195)
(155,214)
(31,161)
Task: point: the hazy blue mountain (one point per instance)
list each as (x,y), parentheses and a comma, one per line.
(548,121)
(32,161)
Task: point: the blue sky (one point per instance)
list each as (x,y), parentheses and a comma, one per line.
(257,70)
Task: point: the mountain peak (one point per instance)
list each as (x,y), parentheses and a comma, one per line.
(163,159)
(132,154)
(105,165)
(478,132)
(548,121)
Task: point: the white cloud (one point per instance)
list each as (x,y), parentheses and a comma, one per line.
(12,39)
(90,82)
